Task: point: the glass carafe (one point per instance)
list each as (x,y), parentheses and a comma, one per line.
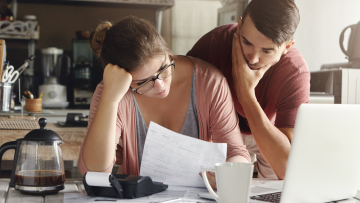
(39,167)
(38,164)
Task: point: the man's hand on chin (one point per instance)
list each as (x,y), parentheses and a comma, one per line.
(245,78)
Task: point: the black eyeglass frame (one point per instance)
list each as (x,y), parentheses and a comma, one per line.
(172,63)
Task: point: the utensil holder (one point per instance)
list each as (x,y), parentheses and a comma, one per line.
(33,105)
(5,95)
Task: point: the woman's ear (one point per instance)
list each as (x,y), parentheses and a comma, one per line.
(288,45)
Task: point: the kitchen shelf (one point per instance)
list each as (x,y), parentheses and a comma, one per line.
(25,30)
(2,36)
(157,5)
(22,30)
(154,4)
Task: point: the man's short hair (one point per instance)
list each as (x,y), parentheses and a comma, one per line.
(276,19)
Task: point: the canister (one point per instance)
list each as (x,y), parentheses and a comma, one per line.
(5,95)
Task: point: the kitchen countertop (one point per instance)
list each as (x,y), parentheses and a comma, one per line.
(18,112)
(45,112)
(52,115)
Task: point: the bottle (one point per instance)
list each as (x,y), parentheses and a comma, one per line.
(8,14)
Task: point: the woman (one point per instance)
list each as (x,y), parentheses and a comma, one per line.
(143,82)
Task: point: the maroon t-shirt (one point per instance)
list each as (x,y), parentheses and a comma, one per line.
(280,92)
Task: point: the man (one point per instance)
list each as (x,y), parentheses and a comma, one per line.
(268,77)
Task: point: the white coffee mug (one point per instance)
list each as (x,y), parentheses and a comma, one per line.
(233,182)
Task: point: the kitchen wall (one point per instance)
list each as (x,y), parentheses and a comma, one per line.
(182,25)
(59,22)
(317,36)
(191,19)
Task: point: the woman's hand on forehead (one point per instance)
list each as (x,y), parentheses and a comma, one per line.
(116,82)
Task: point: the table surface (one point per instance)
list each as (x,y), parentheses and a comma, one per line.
(10,195)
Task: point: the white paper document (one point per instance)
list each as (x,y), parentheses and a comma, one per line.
(176,159)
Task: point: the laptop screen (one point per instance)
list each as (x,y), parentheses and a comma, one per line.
(324,161)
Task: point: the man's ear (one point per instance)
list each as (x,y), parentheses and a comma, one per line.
(288,45)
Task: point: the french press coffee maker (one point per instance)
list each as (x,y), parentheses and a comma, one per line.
(38,164)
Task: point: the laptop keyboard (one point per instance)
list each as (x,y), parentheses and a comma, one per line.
(271,197)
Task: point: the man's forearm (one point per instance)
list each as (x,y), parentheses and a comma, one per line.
(273,144)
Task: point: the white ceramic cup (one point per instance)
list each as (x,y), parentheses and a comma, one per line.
(233,182)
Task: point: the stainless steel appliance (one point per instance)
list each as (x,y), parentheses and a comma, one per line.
(343,83)
(81,74)
(321,98)
(54,94)
(38,166)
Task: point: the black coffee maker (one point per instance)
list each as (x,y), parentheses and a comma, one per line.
(84,75)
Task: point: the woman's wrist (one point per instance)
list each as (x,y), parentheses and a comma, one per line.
(112,97)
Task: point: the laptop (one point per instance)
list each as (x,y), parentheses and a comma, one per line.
(324,160)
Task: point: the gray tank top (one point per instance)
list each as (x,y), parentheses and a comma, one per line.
(190,127)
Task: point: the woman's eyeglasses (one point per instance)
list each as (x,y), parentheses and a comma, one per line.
(149,84)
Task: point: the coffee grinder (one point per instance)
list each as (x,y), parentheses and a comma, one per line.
(54,93)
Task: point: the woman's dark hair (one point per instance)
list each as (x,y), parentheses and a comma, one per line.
(128,43)
(276,19)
